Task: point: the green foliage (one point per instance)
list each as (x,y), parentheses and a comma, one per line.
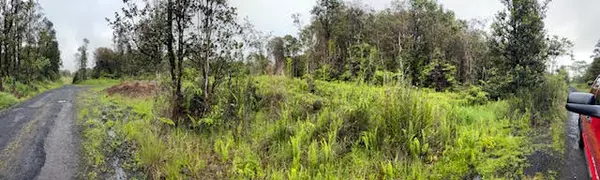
(100,82)
(7,100)
(545,102)
(332,124)
(357,127)
(592,71)
(323,73)
(34,51)
(474,95)
(439,76)
(388,78)
(519,39)
(581,87)
(107,64)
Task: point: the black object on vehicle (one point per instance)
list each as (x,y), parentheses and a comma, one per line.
(583,103)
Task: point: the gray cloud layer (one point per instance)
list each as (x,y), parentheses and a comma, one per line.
(78,19)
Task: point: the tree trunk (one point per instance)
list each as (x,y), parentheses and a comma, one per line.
(177,101)
(206,74)
(180,54)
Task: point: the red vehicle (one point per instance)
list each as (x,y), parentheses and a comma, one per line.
(587,105)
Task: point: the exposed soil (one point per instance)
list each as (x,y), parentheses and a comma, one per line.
(134,89)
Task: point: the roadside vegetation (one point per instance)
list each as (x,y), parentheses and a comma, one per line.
(22,92)
(275,128)
(409,92)
(29,54)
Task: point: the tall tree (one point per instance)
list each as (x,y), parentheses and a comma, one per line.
(82,59)
(578,70)
(276,47)
(199,31)
(28,46)
(558,47)
(519,38)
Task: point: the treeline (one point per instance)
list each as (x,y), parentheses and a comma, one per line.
(584,72)
(413,40)
(28,46)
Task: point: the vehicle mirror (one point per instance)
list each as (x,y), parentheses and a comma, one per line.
(581,98)
(583,103)
(590,83)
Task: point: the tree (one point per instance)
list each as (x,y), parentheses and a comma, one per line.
(82,60)
(558,47)
(107,63)
(28,47)
(48,46)
(277,49)
(578,70)
(256,48)
(519,38)
(326,14)
(216,28)
(593,70)
(199,31)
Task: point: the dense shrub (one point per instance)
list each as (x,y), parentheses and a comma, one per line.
(474,95)
(341,126)
(439,76)
(545,102)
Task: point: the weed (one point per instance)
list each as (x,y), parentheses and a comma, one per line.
(279,128)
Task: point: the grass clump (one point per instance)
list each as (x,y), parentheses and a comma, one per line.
(7,100)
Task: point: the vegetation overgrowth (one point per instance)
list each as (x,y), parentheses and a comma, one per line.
(22,92)
(581,87)
(281,128)
(408,92)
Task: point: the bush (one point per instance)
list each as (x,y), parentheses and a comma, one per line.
(545,102)
(387,78)
(439,76)
(474,95)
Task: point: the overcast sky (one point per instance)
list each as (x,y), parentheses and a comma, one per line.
(78,19)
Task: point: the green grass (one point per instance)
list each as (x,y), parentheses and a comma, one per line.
(22,92)
(274,128)
(99,84)
(581,87)
(7,100)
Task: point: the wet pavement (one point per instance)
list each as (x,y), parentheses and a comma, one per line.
(38,138)
(575,164)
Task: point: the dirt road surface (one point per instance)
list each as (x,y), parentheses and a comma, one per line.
(38,139)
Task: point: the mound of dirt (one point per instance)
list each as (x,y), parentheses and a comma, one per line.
(133,89)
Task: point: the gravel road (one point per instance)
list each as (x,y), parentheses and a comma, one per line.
(574,166)
(38,139)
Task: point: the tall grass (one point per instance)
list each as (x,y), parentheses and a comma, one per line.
(270,127)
